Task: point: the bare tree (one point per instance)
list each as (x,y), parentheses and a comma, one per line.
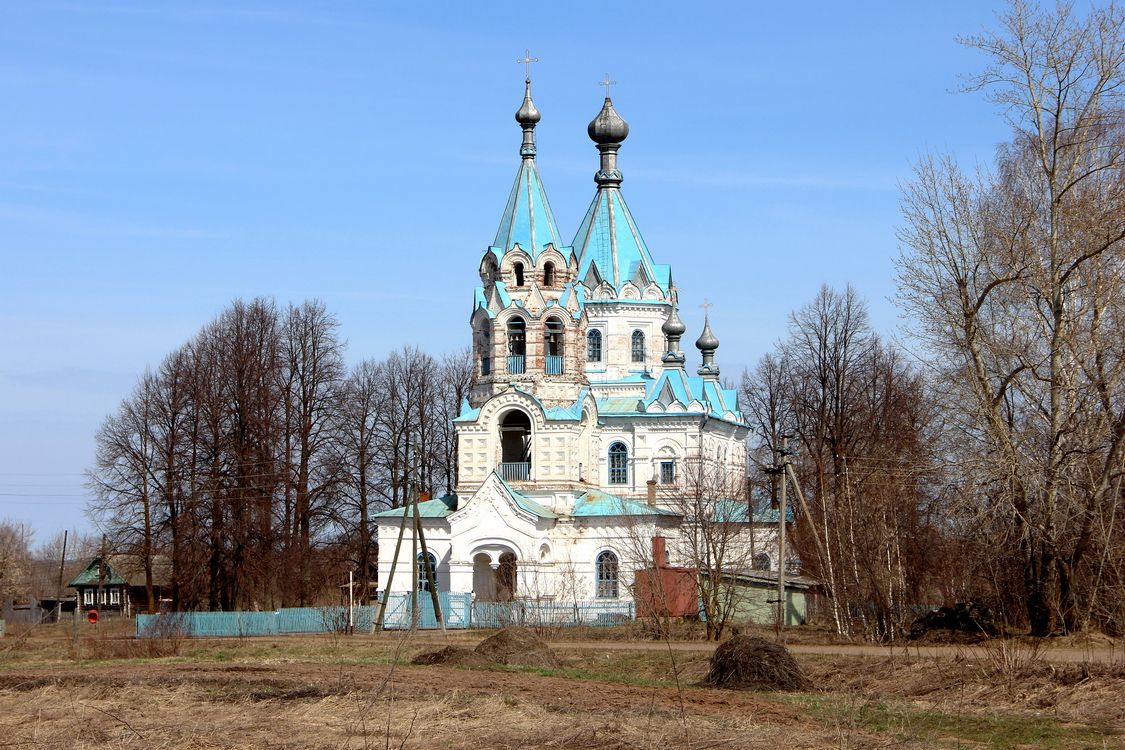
(1014,278)
(15,560)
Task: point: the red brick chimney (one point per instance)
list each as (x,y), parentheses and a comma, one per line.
(659,552)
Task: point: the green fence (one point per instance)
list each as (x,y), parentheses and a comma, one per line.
(458,611)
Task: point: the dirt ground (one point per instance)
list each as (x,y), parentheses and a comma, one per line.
(359,692)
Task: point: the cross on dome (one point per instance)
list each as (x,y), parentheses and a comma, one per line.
(526,62)
(607,83)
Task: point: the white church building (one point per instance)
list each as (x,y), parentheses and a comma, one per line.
(573,444)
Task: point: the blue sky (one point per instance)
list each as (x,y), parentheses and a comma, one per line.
(158,160)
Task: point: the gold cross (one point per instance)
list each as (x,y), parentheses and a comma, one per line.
(607,83)
(527,61)
(706,305)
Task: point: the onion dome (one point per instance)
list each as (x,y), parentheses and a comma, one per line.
(608,126)
(673,329)
(673,326)
(527,114)
(707,343)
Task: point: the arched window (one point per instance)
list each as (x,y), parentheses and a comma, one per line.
(761,561)
(553,341)
(517,346)
(594,345)
(638,346)
(485,344)
(518,270)
(607,571)
(549,274)
(618,464)
(427,574)
(488,274)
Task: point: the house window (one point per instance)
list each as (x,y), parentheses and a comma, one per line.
(426,571)
(549,274)
(618,464)
(638,346)
(594,346)
(667,472)
(88,596)
(115,596)
(607,576)
(518,269)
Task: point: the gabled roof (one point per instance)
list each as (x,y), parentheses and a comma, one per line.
(438,508)
(609,242)
(598,503)
(89,576)
(527,220)
(525,502)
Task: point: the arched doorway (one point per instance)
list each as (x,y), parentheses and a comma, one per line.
(515,446)
(495,581)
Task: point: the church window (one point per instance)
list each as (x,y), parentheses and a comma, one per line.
(638,346)
(517,346)
(553,340)
(549,274)
(667,472)
(427,573)
(607,570)
(618,464)
(761,561)
(594,345)
(518,270)
(485,352)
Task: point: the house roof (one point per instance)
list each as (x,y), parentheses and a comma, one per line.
(90,575)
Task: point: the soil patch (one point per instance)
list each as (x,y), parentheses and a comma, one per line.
(749,662)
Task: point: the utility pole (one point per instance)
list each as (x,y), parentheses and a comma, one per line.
(58,591)
(782,608)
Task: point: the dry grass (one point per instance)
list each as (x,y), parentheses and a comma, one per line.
(318,691)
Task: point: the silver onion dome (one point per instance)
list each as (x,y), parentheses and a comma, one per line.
(527,114)
(707,341)
(608,126)
(673,326)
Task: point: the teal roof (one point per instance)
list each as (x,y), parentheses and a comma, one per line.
(439,508)
(525,502)
(598,503)
(674,385)
(89,576)
(738,511)
(527,220)
(608,240)
(569,413)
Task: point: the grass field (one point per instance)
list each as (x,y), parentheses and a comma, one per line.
(104,689)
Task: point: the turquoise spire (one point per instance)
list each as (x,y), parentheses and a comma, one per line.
(527,220)
(608,242)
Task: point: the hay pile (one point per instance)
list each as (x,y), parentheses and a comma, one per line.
(752,663)
(517,646)
(451,655)
(510,646)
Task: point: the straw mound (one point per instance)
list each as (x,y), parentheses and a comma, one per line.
(752,663)
(517,646)
(450,655)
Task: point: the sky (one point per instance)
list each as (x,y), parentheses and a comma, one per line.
(159,159)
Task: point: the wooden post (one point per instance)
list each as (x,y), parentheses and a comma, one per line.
(782,608)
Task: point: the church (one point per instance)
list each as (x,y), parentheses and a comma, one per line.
(585,427)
